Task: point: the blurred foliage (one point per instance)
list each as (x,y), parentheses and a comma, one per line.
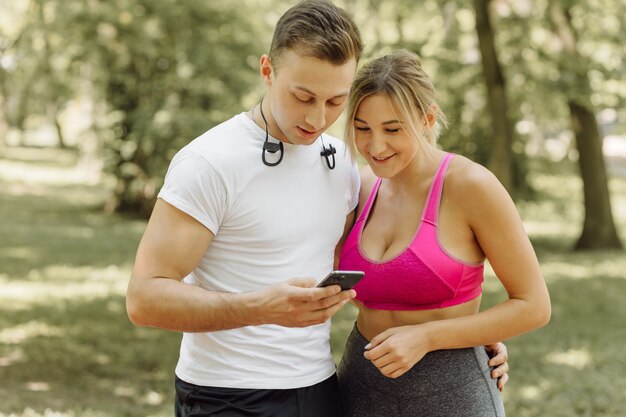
(443,34)
(158,73)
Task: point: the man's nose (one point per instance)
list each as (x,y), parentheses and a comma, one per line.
(316,117)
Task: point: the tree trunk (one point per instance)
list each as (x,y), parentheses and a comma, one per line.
(4,126)
(53,115)
(500,160)
(59,129)
(598,228)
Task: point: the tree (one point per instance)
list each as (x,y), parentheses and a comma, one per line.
(599,230)
(165,72)
(500,160)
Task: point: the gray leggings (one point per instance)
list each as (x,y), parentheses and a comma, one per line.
(445,383)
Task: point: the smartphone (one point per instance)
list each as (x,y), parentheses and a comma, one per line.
(345,279)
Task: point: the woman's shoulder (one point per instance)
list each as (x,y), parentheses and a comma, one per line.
(468,181)
(466,172)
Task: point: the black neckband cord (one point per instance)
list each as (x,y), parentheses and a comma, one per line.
(328,152)
(271,147)
(268,146)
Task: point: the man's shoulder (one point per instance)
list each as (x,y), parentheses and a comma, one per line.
(223,131)
(217,149)
(222,141)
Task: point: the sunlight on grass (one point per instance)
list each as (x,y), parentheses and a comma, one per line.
(38,386)
(612,266)
(576,358)
(14,356)
(63,282)
(48,174)
(551,228)
(18,334)
(534,392)
(19,252)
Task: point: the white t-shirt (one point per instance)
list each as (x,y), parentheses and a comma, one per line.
(270,224)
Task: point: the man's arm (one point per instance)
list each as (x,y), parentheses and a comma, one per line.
(170,249)
(346,231)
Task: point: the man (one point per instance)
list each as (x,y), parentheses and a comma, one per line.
(245,226)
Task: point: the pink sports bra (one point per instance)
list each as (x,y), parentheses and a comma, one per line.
(423,276)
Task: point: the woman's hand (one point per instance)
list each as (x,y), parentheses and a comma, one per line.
(398,349)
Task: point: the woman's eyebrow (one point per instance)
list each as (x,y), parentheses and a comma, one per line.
(388,122)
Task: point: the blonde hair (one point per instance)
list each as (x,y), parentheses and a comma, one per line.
(400,76)
(319,29)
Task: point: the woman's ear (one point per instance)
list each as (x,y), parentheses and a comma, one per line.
(266,70)
(431,118)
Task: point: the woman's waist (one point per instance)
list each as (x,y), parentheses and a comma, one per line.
(372,322)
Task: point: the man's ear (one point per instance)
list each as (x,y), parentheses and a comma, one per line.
(266,70)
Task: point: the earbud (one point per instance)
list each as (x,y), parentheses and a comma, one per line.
(329,151)
(272,147)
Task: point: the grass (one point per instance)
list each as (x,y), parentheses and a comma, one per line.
(68,349)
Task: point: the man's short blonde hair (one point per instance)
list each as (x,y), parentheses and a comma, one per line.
(319,29)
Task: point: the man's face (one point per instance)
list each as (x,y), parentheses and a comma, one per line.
(306,95)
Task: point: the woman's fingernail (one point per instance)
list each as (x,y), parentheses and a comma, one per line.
(368,346)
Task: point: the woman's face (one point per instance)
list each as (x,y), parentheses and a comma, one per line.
(382,137)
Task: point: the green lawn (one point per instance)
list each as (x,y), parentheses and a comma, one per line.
(68,349)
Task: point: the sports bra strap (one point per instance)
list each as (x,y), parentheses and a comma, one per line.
(370,200)
(431,214)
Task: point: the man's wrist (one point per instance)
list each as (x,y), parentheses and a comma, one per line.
(253,304)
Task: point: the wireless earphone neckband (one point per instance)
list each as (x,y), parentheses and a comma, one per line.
(327,152)
(268,146)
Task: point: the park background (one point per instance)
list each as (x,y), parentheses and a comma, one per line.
(97,96)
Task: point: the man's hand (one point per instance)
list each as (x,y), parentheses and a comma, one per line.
(299,303)
(499,360)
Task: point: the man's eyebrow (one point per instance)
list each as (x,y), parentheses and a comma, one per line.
(306,90)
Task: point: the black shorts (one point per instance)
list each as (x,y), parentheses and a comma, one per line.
(318,400)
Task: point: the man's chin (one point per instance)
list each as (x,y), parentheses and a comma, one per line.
(300,140)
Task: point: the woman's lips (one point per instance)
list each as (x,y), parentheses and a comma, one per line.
(382,159)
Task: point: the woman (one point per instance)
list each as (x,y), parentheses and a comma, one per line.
(427,220)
